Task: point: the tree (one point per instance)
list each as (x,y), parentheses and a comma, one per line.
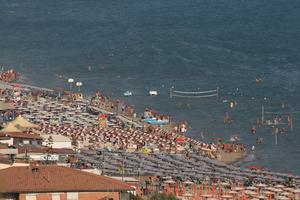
(158,196)
(49,143)
(135,197)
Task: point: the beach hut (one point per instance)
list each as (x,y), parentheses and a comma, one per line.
(23,123)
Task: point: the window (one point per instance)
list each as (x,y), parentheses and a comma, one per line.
(72,195)
(31,196)
(34,142)
(25,141)
(55,196)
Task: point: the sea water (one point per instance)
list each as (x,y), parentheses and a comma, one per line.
(193,45)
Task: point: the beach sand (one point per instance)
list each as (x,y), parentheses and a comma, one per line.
(230,158)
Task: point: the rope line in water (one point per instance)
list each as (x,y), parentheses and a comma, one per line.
(202,92)
(204,96)
(282,113)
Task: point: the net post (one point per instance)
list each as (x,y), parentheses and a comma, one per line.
(171,92)
(262,114)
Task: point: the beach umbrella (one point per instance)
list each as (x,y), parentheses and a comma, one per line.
(249,192)
(16,94)
(261,197)
(267,192)
(285,193)
(206,195)
(227,196)
(188,182)
(277,190)
(261,185)
(251,188)
(237,188)
(180,140)
(169,182)
(225,184)
(296,191)
(282,198)
(253,167)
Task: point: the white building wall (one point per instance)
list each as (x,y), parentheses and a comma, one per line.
(9,141)
(60,145)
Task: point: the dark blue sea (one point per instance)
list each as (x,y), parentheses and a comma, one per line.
(193,45)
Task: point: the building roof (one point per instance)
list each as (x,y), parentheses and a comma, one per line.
(24,123)
(126,179)
(10,128)
(56,138)
(33,149)
(20,135)
(6,106)
(52,178)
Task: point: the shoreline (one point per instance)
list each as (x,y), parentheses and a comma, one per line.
(226,158)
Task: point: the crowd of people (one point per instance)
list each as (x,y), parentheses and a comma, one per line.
(72,118)
(9,76)
(187,161)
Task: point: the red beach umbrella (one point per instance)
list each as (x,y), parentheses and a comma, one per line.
(254,167)
(180,140)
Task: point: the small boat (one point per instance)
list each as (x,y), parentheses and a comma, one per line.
(153,93)
(155,121)
(127,93)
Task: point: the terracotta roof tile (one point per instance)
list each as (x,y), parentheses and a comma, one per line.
(55,179)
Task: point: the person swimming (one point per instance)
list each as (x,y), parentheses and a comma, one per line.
(259,140)
(258,80)
(253,130)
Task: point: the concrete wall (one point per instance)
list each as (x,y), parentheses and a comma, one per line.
(9,141)
(9,151)
(60,145)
